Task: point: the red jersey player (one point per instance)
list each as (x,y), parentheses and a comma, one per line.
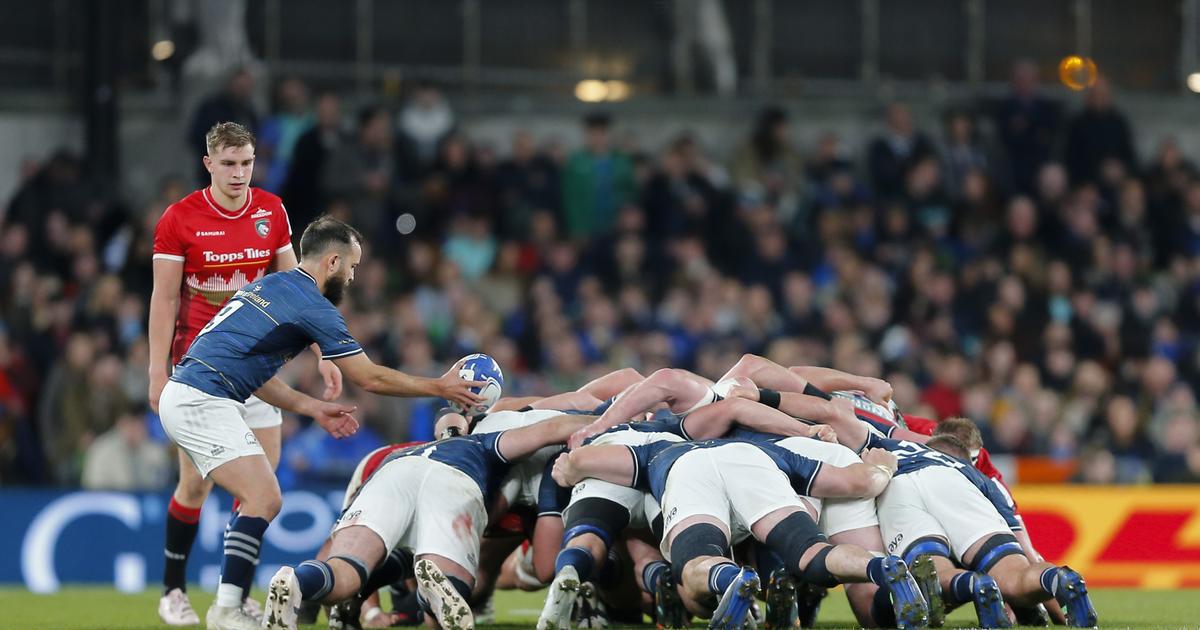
(207,246)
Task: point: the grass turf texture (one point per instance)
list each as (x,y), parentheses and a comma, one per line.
(103,608)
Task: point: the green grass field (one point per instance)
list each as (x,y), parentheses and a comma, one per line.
(101,608)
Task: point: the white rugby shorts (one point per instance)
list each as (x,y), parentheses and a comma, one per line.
(211,430)
(737,484)
(836,515)
(423,506)
(936,501)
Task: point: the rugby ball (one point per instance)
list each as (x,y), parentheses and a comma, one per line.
(873,410)
(481,367)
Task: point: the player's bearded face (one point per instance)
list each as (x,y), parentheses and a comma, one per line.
(335,284)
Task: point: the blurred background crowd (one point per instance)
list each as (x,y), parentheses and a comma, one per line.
(1016,262)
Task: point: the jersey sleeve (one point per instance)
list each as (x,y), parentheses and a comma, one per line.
(326,326)
(552,498)
(801,470)
(168,237)
(641,464)
(491,446)
(882,427)
(285,233)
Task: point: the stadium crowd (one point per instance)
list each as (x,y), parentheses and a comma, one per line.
(1021,266)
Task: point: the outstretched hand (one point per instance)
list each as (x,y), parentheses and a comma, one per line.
(336,419)
(458,391)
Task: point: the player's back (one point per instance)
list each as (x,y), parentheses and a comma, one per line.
(477,456)
(262,327)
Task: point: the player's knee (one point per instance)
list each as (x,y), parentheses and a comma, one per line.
(192,490)
(701,540)
(793,538)
(925,546)
(602,518)
(997,548)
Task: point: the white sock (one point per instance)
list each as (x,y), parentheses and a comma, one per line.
(229,595)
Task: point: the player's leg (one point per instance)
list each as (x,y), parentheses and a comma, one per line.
(591,524)
(861,595)
(183,522)
(709,582)
(266,425)
(1027,584)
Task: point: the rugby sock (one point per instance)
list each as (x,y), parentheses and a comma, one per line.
(1049,580)
(315,578)
(721,576)
(610,572)
(241,554)
(961,587)
(182,524)
(398,565)
(881,609)
(875,571)
(577,557)
(248,582)
(652,573)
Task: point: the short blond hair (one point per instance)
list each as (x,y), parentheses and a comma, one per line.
(227,134)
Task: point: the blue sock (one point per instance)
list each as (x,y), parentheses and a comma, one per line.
(577,557)
(961,587)
(1049,580)
(315,578)
(610,572)
(248,581)
(652,573)
(721,576)
(242,544)
(397,566)
(875,571)
(881,609)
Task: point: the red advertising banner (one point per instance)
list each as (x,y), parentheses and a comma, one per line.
(1126,536)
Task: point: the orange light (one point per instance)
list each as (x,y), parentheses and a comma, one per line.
(1077,73)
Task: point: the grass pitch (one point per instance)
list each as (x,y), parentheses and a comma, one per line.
(104,608)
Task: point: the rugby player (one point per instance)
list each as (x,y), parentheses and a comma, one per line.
(237,354)
(208,245)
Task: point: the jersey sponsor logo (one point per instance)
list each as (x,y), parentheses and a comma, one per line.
(248,253)
(210,233)
(263,227)
(260,212)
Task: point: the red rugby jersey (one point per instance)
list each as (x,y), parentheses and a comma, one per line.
(221,252)
(925,426)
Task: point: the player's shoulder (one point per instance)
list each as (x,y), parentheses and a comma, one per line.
(262,199)
(182,208)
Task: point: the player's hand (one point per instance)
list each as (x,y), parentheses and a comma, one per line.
(158,380)
(564,472)
(823,432)
(333,379)
(457,391)
(741,391)
(335,419)
(843,409)
(881,457)
(579,437)
(879,391)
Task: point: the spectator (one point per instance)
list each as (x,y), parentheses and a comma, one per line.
(528,182)
(896,151)
(1028,125)
(281,132)
(1097,135)
(365,174)
(303,190)
(768,170)
(124,458)
(597,181)
(963,153)
(232,104)
(423,124)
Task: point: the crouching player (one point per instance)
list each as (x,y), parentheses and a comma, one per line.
(717,491)
(429,500)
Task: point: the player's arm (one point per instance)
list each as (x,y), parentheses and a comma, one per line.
(613,383)
(332,417)
(866,480)
(164,307)
(578,401)
(330,373)
(662,386)
(608,462)
(831,380)
(517,443)
(766,373)
(548,531)
(385,381)
(718,419)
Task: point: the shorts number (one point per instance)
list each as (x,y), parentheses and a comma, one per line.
(230,308)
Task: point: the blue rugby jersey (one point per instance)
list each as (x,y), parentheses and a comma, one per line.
(653,463)
(260,328)
(478,456)
(913,457)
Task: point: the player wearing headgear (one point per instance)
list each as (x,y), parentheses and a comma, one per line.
(208,245)
(716,491)
(940,506)
(430,501)
(237,354)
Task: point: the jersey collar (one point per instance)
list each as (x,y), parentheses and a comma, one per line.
(307,275)
(212,203)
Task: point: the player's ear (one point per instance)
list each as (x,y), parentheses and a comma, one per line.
(207,163)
